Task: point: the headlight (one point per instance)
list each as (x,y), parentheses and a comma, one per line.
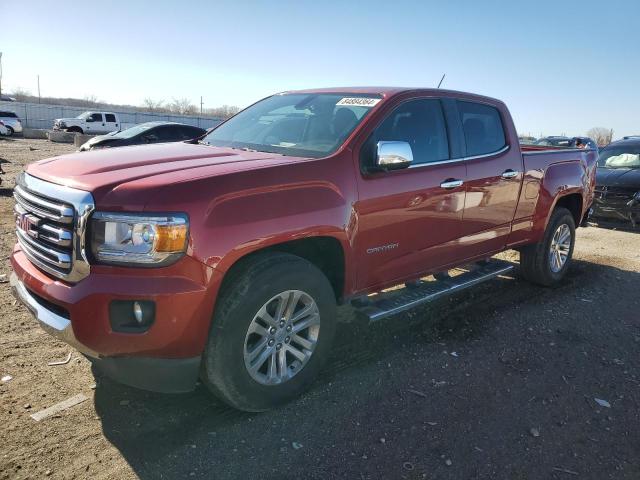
(151,240)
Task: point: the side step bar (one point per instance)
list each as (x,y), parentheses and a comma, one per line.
(391,303)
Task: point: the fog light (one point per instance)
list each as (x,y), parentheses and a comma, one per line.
(131,316)
(137,312)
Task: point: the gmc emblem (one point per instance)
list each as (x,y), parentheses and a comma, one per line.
(27,223)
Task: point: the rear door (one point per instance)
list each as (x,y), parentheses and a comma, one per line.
(111,122)
(494,177)
(410,220)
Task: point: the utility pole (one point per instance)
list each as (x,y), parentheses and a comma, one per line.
(38,88)
(0,74)
(201,103)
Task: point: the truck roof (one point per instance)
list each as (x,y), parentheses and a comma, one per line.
(386,92)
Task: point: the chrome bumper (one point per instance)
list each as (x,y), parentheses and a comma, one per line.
(52,323)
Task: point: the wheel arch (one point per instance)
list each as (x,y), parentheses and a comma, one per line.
(325,252)
(572,202)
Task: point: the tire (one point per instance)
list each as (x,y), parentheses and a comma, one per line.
(10,131)
(536,263)
(253,288)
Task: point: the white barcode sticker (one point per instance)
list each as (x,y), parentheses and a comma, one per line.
(358,102)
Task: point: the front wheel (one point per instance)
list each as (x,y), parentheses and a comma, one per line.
(9,131)
(271,332)
(546,263)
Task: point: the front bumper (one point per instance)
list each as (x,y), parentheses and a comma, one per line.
(616,213)
(164,358)
(52,322)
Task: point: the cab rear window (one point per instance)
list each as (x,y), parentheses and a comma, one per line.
(482,126)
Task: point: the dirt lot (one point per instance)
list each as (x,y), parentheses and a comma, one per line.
(496,383)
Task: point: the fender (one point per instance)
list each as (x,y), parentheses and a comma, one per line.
(560,180)
(240,213)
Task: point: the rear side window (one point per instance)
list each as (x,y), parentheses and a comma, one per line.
(420,123)
(110,117)
(167,133)
(189,133)
(483,130)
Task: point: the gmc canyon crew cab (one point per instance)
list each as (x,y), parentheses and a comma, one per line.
(90,123)
(223,258)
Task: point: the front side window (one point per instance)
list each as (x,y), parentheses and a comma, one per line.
(482,126)
(421,124)
(96,117)
(311,125)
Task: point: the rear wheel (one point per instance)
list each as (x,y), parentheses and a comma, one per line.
(271,332)
(546,263)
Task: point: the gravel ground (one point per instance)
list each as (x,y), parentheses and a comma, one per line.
(499,382)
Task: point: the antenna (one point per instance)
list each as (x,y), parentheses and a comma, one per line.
(441,80)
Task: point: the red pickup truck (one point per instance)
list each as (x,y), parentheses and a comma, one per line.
(224,258)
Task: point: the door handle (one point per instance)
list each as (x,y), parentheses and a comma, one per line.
(510,174)
(451,184)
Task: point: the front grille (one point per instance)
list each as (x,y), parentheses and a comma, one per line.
(616,193)
(50,224)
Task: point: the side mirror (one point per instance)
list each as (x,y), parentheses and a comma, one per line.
(393,155)
(89,119)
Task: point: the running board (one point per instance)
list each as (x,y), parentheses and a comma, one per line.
(393,302)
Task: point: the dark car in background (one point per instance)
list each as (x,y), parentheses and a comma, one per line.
(568,142)
(617,197)
(150,132)
(554,141)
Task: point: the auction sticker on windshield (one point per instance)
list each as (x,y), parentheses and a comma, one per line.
(358,102)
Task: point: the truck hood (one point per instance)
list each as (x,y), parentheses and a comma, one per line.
(132,169)
(618,177)
(70,119)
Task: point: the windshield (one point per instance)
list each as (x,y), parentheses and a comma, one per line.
(83,116)
(133,131)
(311,125)
(623,156)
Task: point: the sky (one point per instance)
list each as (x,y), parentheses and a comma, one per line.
(562,67)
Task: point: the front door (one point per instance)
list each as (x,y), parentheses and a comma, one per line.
(96,125)
(409,221)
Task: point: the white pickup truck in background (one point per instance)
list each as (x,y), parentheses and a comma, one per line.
(90,123)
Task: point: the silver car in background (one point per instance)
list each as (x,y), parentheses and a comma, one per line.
(11,121)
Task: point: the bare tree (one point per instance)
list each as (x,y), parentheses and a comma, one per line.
(153,105)
(602,136)
(91,100)
(182,106)
(225,111)
(21,94)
